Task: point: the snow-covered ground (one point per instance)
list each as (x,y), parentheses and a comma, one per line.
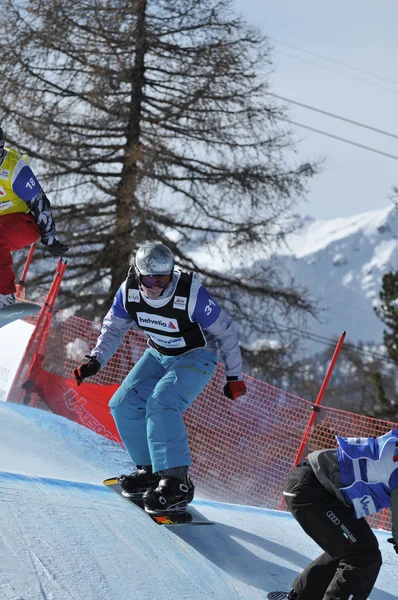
(64,536)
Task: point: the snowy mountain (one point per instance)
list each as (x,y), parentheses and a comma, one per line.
(340,262)
(65,536)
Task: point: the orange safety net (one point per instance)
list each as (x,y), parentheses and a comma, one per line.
(241,450)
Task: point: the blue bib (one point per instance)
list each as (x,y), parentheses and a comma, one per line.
(368,471)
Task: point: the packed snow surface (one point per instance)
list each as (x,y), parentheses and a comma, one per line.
(65,536)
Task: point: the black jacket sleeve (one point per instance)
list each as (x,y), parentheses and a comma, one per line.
(40,209)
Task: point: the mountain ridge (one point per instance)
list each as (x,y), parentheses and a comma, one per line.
(342,263)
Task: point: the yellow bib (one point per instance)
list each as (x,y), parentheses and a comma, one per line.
(10,167)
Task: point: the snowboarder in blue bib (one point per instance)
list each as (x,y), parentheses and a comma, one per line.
(185,327)
(329,494)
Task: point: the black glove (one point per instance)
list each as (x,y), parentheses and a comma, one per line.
(394,543)
(56,248)
(87,369)
(234,388)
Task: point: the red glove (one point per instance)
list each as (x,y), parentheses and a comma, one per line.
(234,388)
(87,369)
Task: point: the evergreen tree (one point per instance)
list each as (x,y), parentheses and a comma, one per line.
(363,381)
(150,120)
(388,313)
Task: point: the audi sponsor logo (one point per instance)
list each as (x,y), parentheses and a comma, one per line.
(335,520)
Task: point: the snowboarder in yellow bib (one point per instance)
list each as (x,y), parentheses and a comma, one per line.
(25,216)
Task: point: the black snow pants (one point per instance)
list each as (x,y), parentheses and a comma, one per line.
(351,561)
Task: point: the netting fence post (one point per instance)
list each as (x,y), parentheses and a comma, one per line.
(35,350)
(40,347)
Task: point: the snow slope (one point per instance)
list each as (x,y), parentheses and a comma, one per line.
(64,536)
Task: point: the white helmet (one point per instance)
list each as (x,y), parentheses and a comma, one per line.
(154,259)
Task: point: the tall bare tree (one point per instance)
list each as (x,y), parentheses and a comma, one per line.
(151,121)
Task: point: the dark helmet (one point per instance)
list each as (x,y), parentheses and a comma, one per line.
(154,259)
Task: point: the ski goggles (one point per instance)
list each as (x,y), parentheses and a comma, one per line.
(150,281)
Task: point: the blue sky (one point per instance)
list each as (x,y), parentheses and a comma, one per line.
(361,34)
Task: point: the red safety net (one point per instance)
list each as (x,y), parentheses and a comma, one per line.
(241,450)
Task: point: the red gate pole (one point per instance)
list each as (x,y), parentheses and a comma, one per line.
(21,283)
(319,399)
(315,407)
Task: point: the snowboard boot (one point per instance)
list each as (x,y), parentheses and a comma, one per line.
(282,596)
(138,482)
(7,300)
(171,495)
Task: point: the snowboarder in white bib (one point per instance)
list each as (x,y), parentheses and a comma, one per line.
(329,494)
(185,327)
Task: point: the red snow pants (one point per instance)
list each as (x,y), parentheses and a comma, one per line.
(17,230)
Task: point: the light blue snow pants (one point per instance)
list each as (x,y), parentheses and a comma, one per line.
(148,406)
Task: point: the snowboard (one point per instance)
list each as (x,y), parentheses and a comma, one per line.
(190,517)
(13,312)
